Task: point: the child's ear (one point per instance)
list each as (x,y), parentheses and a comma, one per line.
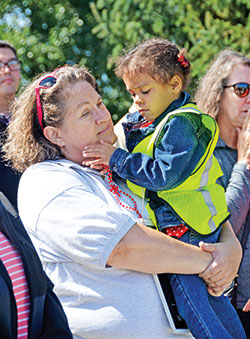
(176,84)
(53,134)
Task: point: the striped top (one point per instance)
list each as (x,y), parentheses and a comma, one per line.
(14,266)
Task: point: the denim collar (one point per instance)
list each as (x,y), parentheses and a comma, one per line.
(221,144)
(183,99)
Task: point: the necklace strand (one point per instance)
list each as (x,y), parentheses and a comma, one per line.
(113,188)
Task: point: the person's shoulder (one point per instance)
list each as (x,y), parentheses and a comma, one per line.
(6,205)
(119,131)
(56,175)
(189,122)
(41,183)
(49,166)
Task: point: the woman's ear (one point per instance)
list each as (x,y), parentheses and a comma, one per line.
(176,84)
(53,135)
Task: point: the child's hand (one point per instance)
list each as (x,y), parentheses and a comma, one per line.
(97,155)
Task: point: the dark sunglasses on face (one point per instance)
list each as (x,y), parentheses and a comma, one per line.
(45,83)
(241,89)
(13,65)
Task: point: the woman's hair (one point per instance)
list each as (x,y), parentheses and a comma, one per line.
(210,90)
(26,144)
(159,58)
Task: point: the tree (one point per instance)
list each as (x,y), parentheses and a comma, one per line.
(92,33)
(202,27)
(48,33)
(51,33)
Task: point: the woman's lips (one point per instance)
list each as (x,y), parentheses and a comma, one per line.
(104,130)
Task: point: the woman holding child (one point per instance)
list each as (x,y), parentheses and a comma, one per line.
(87,232)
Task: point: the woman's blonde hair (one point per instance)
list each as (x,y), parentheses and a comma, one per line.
(209,94)
(25,144)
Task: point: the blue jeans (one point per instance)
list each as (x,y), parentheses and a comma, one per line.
(206,316)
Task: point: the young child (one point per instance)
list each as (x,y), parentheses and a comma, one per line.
(169,161)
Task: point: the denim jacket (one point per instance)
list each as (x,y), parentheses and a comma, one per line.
(176,156)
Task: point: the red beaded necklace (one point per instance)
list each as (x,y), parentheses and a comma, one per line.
(117,193)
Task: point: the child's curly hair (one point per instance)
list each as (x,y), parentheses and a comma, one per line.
(160,58)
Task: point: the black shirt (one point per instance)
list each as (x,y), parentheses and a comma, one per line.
(9,179)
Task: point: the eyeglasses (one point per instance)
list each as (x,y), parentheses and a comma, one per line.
(13,65)
(241,89)
(45,83)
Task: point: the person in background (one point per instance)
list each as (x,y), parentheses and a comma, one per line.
(86,229)
(170,161)
(9,83)
(224,93)
(29,307)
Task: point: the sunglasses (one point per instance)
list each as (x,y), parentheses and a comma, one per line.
(241,89)
(45,83)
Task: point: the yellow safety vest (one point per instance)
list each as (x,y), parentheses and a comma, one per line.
(199,201)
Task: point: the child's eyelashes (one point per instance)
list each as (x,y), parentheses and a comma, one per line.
(145,92)
(142,92)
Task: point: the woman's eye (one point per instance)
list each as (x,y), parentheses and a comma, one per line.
(85,113)
(145,92)
(100,104)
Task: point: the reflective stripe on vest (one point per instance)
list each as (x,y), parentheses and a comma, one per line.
(199,193)
(206,194)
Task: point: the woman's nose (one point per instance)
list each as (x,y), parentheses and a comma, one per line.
(102,115)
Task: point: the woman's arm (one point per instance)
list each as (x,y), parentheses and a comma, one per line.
(146,250)
(238,190)
(236,178)
(149,251)
(238,196)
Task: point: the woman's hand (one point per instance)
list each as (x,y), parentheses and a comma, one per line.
(243,144)
(246,308)
(226,260)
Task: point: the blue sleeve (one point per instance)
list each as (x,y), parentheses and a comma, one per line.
(175,158)
(237,188)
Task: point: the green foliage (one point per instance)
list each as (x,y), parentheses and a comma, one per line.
(93,33)
(52,35)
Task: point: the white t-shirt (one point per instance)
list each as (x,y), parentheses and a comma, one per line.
(119,132)
(75,223)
